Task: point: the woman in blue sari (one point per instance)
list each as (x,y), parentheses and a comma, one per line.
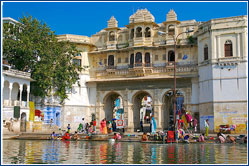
(153,125)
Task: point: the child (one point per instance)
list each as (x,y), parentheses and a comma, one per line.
(201,138)
(76,136)
(68,128)
(53,136)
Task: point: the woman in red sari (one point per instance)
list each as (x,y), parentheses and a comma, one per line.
(103,127)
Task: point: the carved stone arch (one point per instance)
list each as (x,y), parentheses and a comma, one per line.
(167,107)
(108,104)
(139,32)
(108,93)
(15,90)
(147,32)
(135,93)
(136,113)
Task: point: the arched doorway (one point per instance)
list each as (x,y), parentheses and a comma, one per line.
(168,108)
(14,92)
(171,56)
(6,92)
(138,59)
(131,60)
(142,110)
(23,122)
(147,59)
(113,103)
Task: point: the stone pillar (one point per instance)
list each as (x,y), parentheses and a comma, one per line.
(151,60)
(20,98)
(10,92)
(130,125)
(143,55)
(28,97)
(238,44)
(218,47)
(158,116)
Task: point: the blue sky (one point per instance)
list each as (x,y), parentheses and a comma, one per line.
(87,18)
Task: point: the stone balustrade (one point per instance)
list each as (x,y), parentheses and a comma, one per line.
(12,103)
(148,69)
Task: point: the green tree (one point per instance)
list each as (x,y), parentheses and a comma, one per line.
(31,46)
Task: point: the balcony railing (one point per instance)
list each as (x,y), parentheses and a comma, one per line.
(149,69)
(12,103)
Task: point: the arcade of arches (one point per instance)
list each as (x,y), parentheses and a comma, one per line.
(159,104)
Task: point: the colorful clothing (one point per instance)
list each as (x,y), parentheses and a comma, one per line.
(103,127)
(207,127)
(153,125)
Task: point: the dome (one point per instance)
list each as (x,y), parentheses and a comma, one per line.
(112,23)
(171,16)
(142,15)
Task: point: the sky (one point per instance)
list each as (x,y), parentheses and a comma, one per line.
(88,18)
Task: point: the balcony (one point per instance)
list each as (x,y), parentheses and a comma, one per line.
(139,70)
(12,103)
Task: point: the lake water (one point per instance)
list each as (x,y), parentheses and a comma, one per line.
(83,152)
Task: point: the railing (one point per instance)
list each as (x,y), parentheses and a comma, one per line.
(149,68)
(111,67)
(12,103)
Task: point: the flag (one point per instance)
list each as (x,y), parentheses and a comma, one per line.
(31,111)
(185,57)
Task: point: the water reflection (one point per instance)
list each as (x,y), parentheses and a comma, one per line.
(82,152)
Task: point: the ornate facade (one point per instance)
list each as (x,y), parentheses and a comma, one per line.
(137,60)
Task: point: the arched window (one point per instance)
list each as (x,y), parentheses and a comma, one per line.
(132,34)
(139,32)
(171,29)
(206,52)
(111,36)
(110,60)
(132,60)
(171,56)
(147,32)
(228,48)
(147,57)
(139,58)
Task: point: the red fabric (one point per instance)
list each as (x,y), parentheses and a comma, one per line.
(171,136)
(37,113)
(94,123)
(66,137)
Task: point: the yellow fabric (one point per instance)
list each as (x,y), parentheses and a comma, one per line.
(185,122)
(105,130)
(207,128)
(31,111)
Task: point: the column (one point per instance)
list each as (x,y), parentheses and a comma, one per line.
(143,58)
(214,48)
(28,91)
(218,47)
(151,60)
(10,92)
(238,44)
(20,98)
(134,57)
(244,43)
